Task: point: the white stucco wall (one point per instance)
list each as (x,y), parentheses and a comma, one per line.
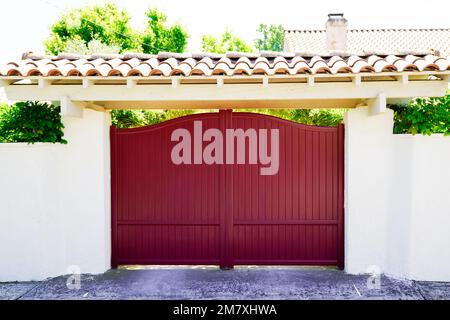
(55,203)
(3,96)
(397,199)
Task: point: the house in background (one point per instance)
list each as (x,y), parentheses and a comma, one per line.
(337,39)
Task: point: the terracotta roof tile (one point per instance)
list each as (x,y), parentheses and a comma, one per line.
(167,64)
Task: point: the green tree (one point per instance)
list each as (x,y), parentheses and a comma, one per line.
(160,37)
(423,115)
(139,118)
(314,117)
(270,37)
(105,23)
(93,46)
(227,42)
(31,122)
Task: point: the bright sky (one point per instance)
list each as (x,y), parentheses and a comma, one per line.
(24,24)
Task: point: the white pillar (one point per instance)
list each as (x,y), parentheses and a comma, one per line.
(367,166)
(397,205)
(86,200)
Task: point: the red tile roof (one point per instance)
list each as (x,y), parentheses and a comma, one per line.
(230,64)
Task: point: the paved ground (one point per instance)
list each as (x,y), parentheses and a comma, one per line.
(212,283)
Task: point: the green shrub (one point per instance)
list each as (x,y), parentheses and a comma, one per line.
(31,122)
(314,117)
(423,115)
(140,118)
(127,118)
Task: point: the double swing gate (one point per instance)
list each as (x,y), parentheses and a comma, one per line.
(177,200)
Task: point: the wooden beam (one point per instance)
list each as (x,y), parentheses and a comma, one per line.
(378,105)
(70,108)
(87,83)
(4,83)
(43,83)
(219,82)
(403,79)
(131,83)
(285,77)
(265,82)
(93,106)
(175,82)
(357,80)
(241,104)
(230,92)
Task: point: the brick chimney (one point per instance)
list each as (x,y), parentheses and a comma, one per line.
(336,28)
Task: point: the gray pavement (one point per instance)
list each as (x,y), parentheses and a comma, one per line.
(212,283)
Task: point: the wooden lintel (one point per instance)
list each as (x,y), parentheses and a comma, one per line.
(230,93)
(94,106)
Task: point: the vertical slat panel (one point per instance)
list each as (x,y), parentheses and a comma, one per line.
(295,213)
(162,213)
(227,214)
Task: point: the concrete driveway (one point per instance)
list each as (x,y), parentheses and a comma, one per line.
(212,283)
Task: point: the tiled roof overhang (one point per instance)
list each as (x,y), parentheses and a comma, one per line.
(233,80)
(231,64)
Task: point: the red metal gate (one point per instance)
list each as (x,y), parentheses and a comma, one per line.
(227,214)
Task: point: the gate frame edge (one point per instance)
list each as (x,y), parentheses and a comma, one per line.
(341,223)
(113,155)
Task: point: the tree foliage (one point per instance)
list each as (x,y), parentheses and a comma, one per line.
(105,23)
(423,115)
(93,46)
(31,122)
(140,118)
(270,37)
(107,29)
(226,42)
(160,37)
(315,117)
